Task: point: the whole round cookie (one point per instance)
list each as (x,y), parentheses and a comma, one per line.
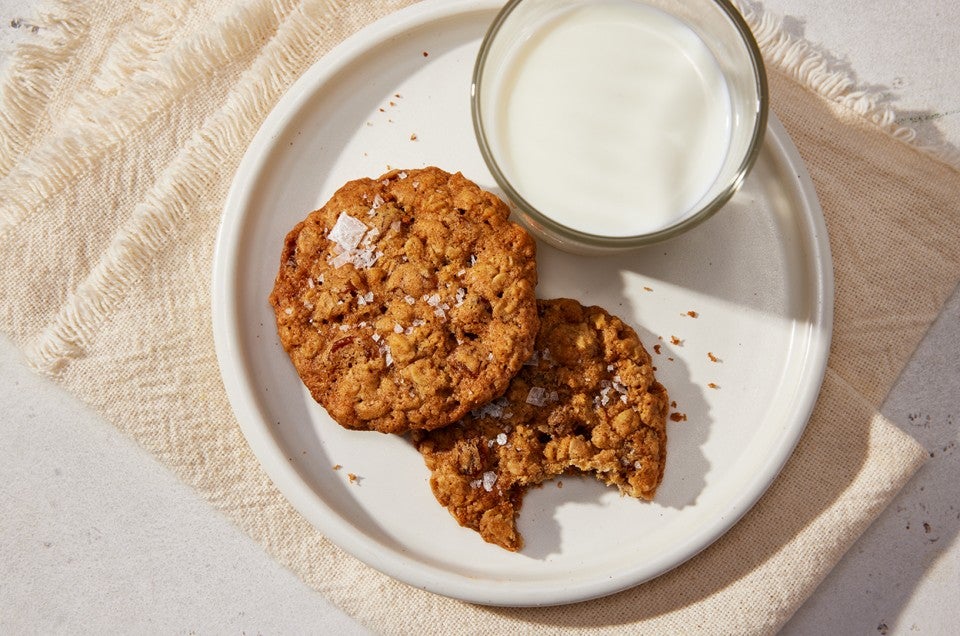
(586,402)
(407,300)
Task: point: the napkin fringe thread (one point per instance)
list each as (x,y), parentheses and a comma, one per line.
(33,72)
(816,70)
(139,46)
(166,207)
(92,131)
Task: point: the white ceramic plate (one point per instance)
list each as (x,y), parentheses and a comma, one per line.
(757,274)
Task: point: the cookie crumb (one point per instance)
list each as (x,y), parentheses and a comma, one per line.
(713,385)
(353,478)
(656,349)
(692,314)
(678,417)
(337,466)
(675,341)
(649,289)
(413,136)
(712,357)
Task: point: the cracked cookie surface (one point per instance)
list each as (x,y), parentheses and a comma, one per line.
(407,300)
(587,401)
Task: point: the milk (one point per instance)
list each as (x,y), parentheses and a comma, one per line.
(613,119)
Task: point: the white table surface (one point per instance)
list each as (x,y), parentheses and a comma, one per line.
(97,536)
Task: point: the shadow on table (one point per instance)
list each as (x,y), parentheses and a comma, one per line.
(920,527)
(922,122)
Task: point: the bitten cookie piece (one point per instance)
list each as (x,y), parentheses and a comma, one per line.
(407,300)
(586,401)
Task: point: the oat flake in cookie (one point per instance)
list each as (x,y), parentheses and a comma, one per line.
(587,401)
(407,300)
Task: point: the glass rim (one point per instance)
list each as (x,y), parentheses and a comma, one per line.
(568,234)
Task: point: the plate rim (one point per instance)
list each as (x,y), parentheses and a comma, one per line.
(272,459)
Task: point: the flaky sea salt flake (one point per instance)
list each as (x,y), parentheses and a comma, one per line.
(537,396)
(387,355)
(491,410)
(365,299)
(341,259)
(489,480)
(347,232)
(370,237)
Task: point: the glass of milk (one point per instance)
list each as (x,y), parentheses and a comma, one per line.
(612,124)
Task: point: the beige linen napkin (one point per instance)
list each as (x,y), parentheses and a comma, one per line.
(120,131)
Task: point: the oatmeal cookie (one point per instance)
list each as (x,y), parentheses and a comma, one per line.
(407,300)
(586,402)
